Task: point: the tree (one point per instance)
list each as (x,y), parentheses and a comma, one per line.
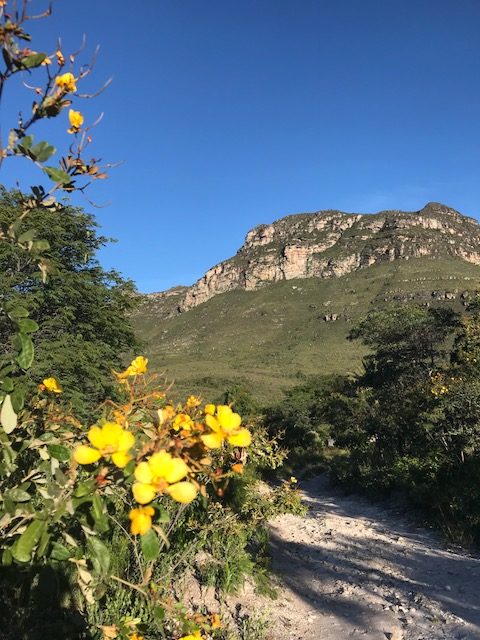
(81,309)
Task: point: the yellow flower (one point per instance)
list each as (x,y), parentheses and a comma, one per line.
(135,636)
(293,480)
(225,425)
(210,409)
(60,58)
(109,440)
(216,621)
(193,402)
(137,367)
(66,82)
(141,520)
(52,385)
(183,422)
(162,473)
(76,121)
(165,414)
(196,635)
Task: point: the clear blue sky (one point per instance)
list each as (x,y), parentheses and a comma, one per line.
(232,113)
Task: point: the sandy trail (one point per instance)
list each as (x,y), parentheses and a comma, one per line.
(350,569)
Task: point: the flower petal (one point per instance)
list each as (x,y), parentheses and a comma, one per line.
(183,492)
(212,440)
(160,463)
(230,421)
(120,459)
(178,469)
(96,437)
(241,438)
(86,455)
(210,409)
(143,493)
(126,441)
(112,433)
(143,473)
(141,520)
(212,422)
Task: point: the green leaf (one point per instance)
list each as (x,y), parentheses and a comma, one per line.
(18,495)
(43,544)
(27,325)
(7,557)
(25,357)
(6,385)
(162,514)
(6,370)
(129,469)
(57,175)
(43,151)
(59,452)
(98,513)
(18,398)
(150,545)
(40,245)
(59,552)
(23,547)
(26,142)
(84,488)
(47,436)
(34,60)
(27,236)
(14,228)
(159,613)
(17,312)
(9,505)
(100,556)
(8,417)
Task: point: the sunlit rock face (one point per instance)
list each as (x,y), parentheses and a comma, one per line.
(330,244)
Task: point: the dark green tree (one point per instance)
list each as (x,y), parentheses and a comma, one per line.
(82,309)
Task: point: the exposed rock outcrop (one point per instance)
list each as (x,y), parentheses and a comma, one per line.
(329,244)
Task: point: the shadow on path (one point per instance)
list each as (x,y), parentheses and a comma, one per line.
(366,567)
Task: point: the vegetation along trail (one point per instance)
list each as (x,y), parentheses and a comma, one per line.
(350,569)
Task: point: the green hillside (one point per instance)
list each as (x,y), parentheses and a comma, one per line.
(269,338)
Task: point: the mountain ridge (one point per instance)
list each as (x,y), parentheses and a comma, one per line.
(331,243)
(266,336)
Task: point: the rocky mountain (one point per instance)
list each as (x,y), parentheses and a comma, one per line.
(329,244)
(283,306)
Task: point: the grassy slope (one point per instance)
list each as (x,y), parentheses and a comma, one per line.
(269,338)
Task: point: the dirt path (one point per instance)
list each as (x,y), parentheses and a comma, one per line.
(350,569)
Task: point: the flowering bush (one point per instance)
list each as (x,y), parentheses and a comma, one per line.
(81,500)
(61,498)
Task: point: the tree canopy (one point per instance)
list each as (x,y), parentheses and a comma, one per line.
(82,309)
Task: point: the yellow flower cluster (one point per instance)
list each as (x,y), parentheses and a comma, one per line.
(52,385)
(76,121)
(177,451)
(109,441)
(141,520)
(137,367)
(66,82)
(224,425)
(163,473)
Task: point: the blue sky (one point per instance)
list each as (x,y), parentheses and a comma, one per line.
(232,113)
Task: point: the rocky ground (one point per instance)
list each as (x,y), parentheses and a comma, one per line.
(350,569)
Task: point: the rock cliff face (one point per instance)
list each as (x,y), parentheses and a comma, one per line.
(329,244)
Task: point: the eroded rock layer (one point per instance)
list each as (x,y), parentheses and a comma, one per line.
(329,244)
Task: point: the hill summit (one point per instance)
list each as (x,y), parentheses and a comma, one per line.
(329,244)
(283,306)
